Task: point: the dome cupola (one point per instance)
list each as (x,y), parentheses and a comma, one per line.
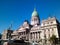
(35,20)
(35,13)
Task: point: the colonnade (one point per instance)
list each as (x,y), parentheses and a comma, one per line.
(35,36)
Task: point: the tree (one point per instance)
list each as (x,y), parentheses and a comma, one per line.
(0,36)
(53,39)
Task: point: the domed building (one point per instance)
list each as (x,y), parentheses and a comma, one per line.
(36,31)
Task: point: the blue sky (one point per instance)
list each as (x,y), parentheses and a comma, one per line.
(16,11)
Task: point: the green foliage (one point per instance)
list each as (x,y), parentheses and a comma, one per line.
(0,36)
(53,39)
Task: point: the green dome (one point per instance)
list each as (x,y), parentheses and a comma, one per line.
(35,13)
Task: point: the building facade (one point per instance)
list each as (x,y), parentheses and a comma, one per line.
(36,31)
(6,34)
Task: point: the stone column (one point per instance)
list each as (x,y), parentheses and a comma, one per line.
(31,36)
(39,35)
(35,36)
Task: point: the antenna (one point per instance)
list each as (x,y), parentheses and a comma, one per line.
(10,26)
